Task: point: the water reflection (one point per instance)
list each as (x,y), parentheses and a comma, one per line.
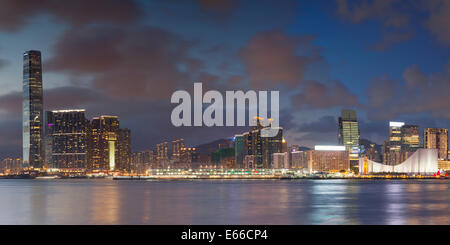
(225,202)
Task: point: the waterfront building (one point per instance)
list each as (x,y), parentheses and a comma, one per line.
(142,161)
(280,160)
(250,162)
(124,150)
(437,138)
(444,165)
(239,150)
(11,165)
(410,138)
(103,143)
(422,161)
(403,142)
(189,156)
(66,139)
(395,136)
(32,110)
(262,147)
(176,149)
(162,156)
(329,159)
(348,133)
(296,159)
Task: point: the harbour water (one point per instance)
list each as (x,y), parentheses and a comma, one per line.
(341,201)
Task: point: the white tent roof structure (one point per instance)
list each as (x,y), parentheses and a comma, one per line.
(423,161)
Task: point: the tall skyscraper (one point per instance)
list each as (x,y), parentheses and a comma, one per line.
(162,156)
(348,133)
(67,136)
(262,148)
(395,136)
(410,138)
(403,141)
(32,110)
(239,150)
(437,138)
(123,162)
(103,148)
(177,145)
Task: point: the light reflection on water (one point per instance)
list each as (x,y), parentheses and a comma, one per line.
(225,202)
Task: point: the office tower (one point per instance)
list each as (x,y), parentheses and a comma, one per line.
(239,150)
(176,149)
(348,133)
(32,114)
(66,137)
(437,138)
(393,154)
(124,150)
(103,143)
(395,136)
(410,138)
(162,154)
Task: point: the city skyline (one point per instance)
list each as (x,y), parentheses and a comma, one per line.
(318,76)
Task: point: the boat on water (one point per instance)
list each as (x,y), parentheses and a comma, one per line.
(48,177)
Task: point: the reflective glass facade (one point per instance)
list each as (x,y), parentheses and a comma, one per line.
(32,110)
(348,134)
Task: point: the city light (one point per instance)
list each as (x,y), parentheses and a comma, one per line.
(329,148)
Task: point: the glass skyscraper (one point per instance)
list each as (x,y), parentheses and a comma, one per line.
(348,133)
(32,110)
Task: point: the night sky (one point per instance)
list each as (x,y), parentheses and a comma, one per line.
(387,59)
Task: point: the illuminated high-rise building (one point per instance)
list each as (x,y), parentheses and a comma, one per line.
(66,137)
(103,148)
(123,162)
(239,150)
(348,133)
(32,110)
(410,138)
(162,155)
(395,136)
(262,148)
(177,145)
(437,138)
(403,141)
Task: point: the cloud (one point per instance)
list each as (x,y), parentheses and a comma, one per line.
(135,62)
(439,22)
(390,12)
(318,95)
(323,124)
(16,13)
(395,15)
(218,8)
(391,38)
(416,93)
(272,57)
